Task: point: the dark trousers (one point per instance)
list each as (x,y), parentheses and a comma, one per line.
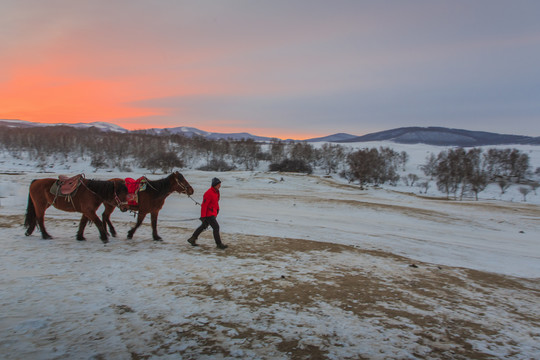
(210,220)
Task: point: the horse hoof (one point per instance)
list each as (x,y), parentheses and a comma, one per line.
(81,238)
(105,241)
(113,234)
(27,233)
(46,237)
(158,238)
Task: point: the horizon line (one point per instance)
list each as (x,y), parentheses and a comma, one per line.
(252,134)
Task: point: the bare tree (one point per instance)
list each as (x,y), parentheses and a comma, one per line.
(509,163)
(277,151)
(372,166)
(164,161)
(331,156)
(98,162)
(534,185)
(476,177)
(403,159)
(524,190)
(504,184)
(412,179)
(424,185)
(450,171)
(246,152)
(430,166)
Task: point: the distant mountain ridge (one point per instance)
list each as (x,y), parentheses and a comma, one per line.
(445,137)
(339,137)
(439,136)
(104,126)
(191,131)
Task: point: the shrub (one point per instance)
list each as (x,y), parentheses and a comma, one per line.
(163,160)
(217,165)
(289,165)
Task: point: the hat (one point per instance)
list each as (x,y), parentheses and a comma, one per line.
(215,181)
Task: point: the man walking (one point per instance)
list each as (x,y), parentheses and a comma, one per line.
(209,211)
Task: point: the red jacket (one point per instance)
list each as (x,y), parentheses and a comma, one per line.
(210,204)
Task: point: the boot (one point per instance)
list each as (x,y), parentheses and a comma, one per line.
(192,240)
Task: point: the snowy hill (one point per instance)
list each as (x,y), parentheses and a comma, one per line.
(104,126)
(191,131)
(339,137)
(444,137)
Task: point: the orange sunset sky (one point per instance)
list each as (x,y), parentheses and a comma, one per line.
(288,69)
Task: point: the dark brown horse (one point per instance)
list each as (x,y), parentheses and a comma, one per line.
(86,200)
(150,201)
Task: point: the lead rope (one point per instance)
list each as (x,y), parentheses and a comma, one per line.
(185,189)
(189,196)
(195,201)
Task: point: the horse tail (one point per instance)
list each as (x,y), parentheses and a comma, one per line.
(30,218)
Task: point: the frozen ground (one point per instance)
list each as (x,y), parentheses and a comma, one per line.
(316,268)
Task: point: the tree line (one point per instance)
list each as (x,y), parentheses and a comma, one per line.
(459,172)
(456,172)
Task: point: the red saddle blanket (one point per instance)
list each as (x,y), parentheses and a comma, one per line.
(134,186)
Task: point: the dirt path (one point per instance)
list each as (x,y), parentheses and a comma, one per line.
(445,310)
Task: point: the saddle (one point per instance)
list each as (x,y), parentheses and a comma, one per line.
(66,186)
(134,186)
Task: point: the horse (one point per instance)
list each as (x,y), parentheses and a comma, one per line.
(150,201)
(89,195)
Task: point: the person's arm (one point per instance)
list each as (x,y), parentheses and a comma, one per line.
(204,205)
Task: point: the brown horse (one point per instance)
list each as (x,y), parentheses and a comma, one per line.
(86,200)
(150,201)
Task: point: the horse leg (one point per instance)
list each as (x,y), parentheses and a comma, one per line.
(99,224)
(82,225)
(106,217)
(140,219)
(44,234)
(153,217)
(40,216)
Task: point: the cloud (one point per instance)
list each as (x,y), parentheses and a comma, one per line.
(323,66)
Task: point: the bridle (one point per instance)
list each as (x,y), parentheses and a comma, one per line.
(117,199)
(184,188)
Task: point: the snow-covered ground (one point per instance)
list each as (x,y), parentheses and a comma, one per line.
(316,268)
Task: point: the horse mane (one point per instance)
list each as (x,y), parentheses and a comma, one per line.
(103,188)
(161,186)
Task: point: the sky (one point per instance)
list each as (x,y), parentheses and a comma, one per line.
(283,68)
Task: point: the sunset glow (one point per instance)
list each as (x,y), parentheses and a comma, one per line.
(275,69)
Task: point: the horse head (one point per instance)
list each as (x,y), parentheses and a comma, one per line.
(120,194)
(181,185)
